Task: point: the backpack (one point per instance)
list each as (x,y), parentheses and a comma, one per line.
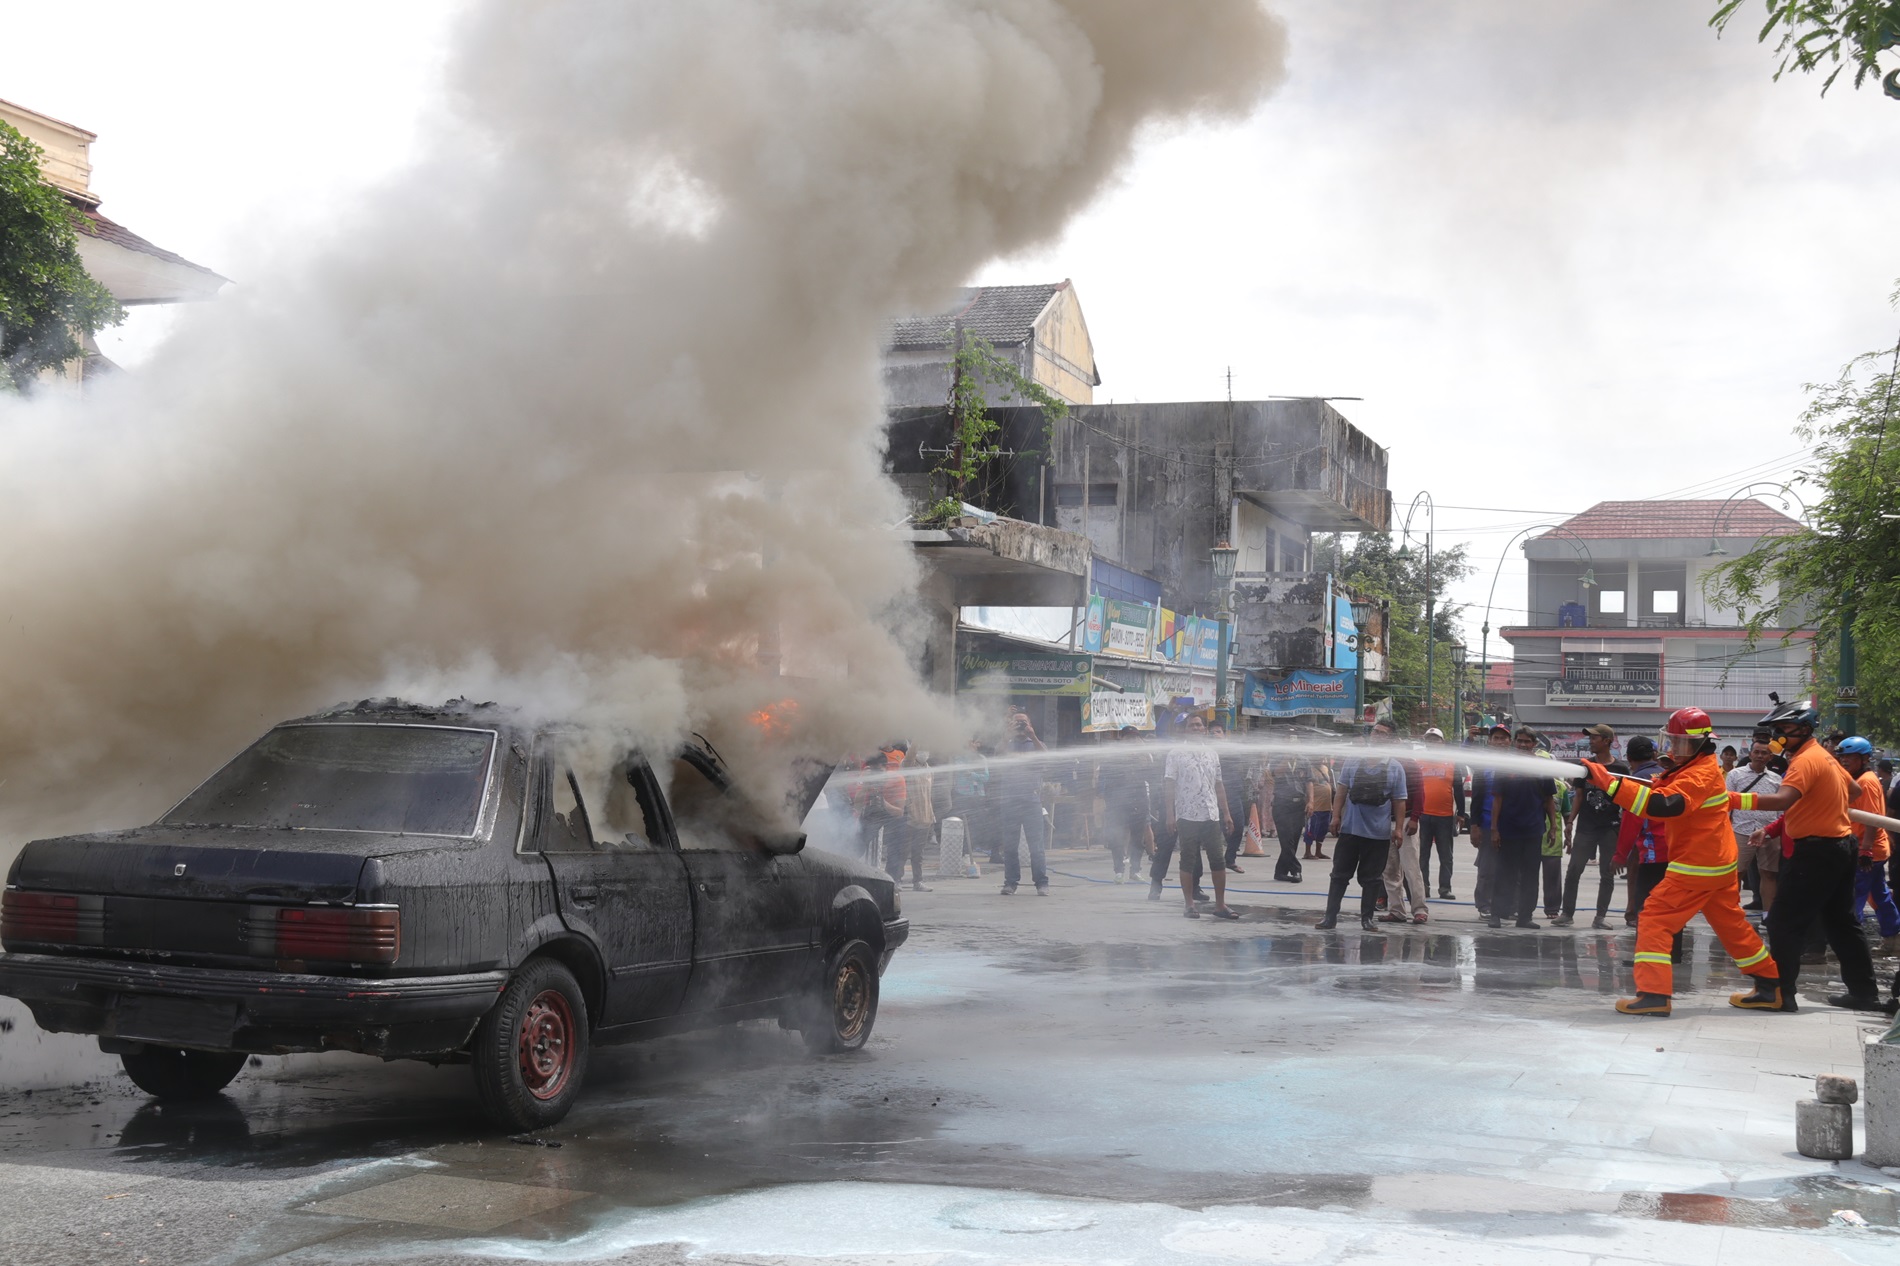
(1370,785)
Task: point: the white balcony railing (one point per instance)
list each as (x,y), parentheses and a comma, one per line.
(1739,689)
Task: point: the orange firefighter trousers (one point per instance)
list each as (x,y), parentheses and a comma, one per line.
(1668,909)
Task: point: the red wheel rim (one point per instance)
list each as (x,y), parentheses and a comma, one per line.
(546,1046)
(850,1000)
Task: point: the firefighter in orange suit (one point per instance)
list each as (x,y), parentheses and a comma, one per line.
(1693,798)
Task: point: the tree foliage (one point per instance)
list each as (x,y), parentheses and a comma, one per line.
(48,303)
(978,379)
(1818,34)
(1850,560)
(1376,568)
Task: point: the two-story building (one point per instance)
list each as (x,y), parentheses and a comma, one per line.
(1620,631)
(1154,489)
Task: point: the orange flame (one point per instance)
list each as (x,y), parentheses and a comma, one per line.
(775,720)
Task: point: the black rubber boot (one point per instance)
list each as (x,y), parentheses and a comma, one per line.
(1334,896)
(1766,996)
(1656,1004)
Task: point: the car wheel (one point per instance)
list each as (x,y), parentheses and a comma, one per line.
(530,1050)
(846,1006)
(165,1072)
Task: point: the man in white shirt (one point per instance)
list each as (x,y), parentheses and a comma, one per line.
(1757,777)
(1197,812)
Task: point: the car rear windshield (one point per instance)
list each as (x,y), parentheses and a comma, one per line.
(414,779)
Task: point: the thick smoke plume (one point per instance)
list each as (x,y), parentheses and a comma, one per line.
(574,409)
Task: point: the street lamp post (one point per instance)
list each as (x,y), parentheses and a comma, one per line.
(1405,534)
(1223,556)
(1589,578)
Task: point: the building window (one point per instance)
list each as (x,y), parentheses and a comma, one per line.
(1667,601)
(1610,601)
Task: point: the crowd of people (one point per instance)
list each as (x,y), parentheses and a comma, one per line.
(1769,826)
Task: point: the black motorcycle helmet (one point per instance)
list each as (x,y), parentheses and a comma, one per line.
(1799,712)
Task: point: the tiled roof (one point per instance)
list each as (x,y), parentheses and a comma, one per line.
(92,224)
(1002,315)
(1684,520)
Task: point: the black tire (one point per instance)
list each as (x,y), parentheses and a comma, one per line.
(530,1051)
(178,1076)
(842,1014)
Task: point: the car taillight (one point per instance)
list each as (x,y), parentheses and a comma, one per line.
(52,918)
(342,934)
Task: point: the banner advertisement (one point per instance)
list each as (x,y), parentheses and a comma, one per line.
(1092,624)
(1107,710)
(1023,674)
(1597,692)
(1302,692)
(1128,627)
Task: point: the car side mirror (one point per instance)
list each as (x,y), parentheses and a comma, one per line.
(782,843)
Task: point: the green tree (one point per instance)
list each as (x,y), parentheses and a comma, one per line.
(1374,567)
(1817,34)
(1848,565)
(980,378)
(48,303)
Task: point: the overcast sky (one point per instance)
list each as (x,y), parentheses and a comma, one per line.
(1567,253)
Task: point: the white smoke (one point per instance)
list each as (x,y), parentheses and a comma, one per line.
(483,439)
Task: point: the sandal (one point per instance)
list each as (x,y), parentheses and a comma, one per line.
(1389,917)
(1421,917)
(1225,914)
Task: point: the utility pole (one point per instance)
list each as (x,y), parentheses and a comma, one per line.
(1846,694)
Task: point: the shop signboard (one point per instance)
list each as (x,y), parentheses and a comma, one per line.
(1108,710)
(1302,692)
(1127,628)
(1027,673)
(1599,692)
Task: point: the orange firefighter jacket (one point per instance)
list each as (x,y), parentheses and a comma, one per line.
(1693,798)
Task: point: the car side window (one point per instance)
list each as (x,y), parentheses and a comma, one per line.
(615,810)
(703,813)
(566,829)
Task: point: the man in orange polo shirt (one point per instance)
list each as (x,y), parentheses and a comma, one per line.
(1817,878)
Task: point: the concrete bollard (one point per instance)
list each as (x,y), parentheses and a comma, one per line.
(1883,1102)
(1824,1131)
(950,839)
(1834,1088)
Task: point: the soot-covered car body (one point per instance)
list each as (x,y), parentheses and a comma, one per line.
(441,884)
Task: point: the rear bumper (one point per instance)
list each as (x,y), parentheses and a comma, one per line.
(896,932)
(264,1012)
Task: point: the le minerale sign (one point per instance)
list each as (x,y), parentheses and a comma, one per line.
(1304,692)
(1028,674)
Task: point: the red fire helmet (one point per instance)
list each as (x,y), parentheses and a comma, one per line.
(1693,722)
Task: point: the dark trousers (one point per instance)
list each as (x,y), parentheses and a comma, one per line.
(1486,861)
(1817,886)
(1127,838)
(1436,831)
(1644,876)
(1585,848)
(1363,856)
(1288,821)
(904,842)
(1235,836)
(1553,868)
(1514,888)
(1022,815)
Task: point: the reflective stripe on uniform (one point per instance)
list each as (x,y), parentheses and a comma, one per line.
(1716,801)
(1642,798)
(1743,800)
(1752,959)
(1664,959)
(1683,868)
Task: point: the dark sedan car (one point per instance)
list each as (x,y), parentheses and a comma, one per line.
(445,884)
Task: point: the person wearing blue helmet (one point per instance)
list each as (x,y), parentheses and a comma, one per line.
(1856,756)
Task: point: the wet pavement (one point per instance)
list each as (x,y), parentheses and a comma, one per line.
(1082,1077)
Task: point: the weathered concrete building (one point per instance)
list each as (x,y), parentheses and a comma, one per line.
(1039,329)
(1154,487)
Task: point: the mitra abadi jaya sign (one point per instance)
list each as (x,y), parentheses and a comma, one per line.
(1302,692)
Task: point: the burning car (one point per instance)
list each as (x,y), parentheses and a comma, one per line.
(447,884)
